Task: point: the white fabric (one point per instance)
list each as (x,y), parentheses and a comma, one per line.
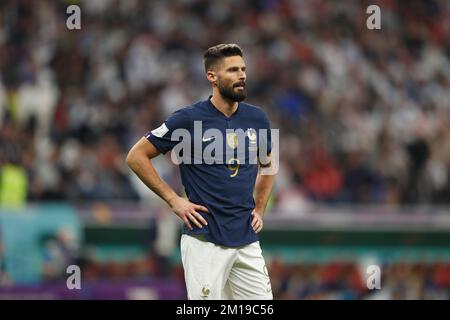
(213,272)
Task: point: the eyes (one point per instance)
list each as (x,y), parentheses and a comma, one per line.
(236,69)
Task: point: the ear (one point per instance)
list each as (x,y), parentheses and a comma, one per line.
(211,76)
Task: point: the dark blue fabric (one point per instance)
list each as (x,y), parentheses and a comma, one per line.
(228,198)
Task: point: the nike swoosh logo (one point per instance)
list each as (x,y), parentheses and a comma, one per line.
(207,139)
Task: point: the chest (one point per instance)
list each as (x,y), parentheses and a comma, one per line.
(225,140)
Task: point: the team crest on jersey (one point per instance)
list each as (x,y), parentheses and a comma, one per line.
(251,134)
(160,131)
(232,140)
(205,292)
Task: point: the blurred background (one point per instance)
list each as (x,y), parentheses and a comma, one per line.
(364,119)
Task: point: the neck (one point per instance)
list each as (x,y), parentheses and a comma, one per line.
(225,106)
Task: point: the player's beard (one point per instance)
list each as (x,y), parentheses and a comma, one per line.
(228,92)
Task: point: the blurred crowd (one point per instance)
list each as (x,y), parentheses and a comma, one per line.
(342,280)
(4,276)
(332,280)
(364,115)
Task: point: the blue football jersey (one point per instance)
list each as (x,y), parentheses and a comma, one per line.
(225,186)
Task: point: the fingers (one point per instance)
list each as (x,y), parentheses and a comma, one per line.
(186,210)
(257,223)
(201,208)
(254,221)
(199,217)
(196,218)
(186,222)
(193,220)
(257,226)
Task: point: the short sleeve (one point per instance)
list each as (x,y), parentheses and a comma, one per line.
(265,137)
(162,138)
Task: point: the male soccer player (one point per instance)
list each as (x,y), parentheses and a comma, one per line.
(226,200)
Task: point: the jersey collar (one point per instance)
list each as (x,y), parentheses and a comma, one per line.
(213,107)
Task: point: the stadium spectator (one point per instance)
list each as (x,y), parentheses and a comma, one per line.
(378,100)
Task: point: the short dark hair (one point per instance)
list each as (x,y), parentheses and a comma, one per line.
(220,51)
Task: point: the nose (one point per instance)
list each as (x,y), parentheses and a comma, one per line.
(242,75)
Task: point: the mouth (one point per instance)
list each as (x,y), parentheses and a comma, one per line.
(240,86)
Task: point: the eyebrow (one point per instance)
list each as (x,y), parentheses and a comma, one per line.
(235,68)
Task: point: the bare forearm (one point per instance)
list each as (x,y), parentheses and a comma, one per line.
(144,169)
(139,160)
(263,187)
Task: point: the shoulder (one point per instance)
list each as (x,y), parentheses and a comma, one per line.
(254,111)
(187,112)
(183,117)
(191,110)
(251,107)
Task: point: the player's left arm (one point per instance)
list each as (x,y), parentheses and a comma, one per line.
(263,187)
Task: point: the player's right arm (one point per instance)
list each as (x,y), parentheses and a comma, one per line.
(139,160)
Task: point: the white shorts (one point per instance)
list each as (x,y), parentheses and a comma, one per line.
(216,273)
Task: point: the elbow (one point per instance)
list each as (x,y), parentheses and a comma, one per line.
(130,159)
(138,155)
